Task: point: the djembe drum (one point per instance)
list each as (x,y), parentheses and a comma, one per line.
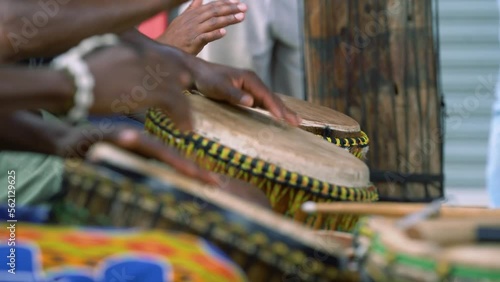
(377,62)
(290,165)
(424,253)
(119,189)
(333,126)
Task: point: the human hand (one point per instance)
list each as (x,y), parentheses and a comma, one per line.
(201,24)
(239,87)
(129,81)
(58,138)
(76,142)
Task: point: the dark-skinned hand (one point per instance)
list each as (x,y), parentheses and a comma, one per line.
(201,24)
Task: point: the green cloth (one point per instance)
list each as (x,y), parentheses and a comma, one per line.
(38,176)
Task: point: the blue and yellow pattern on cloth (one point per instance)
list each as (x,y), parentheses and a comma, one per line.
(49,253)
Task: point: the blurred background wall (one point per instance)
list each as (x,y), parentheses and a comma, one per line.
(470,58)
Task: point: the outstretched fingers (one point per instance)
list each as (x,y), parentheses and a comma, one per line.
(218,12)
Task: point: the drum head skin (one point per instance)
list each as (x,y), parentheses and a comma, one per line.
(319,116)
(333,126)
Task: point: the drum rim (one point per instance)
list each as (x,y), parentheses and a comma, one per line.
(157,120)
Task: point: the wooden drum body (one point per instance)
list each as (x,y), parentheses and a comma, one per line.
(397,255)
(377,61)
(290,165)
(120,190)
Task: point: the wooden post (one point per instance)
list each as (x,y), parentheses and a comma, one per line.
(376,61)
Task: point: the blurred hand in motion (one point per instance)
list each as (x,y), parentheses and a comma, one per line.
(29,132)
(202,23)
(77,141)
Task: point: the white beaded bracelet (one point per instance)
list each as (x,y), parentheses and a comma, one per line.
(72,62)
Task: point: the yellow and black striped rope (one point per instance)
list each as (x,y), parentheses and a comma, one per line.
(360,142)
(357,146)
(160,125)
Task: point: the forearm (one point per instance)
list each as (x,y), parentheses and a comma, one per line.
(26,89)
(30,30)
(25,131)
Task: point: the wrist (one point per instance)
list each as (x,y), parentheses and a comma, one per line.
(193,63)
(48,89)
(73,63)
(65,90)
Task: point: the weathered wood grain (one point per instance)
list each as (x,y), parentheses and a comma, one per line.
(375,60)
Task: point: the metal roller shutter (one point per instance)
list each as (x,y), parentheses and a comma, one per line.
(469,58)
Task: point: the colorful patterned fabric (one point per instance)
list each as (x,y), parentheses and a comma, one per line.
(47,253)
